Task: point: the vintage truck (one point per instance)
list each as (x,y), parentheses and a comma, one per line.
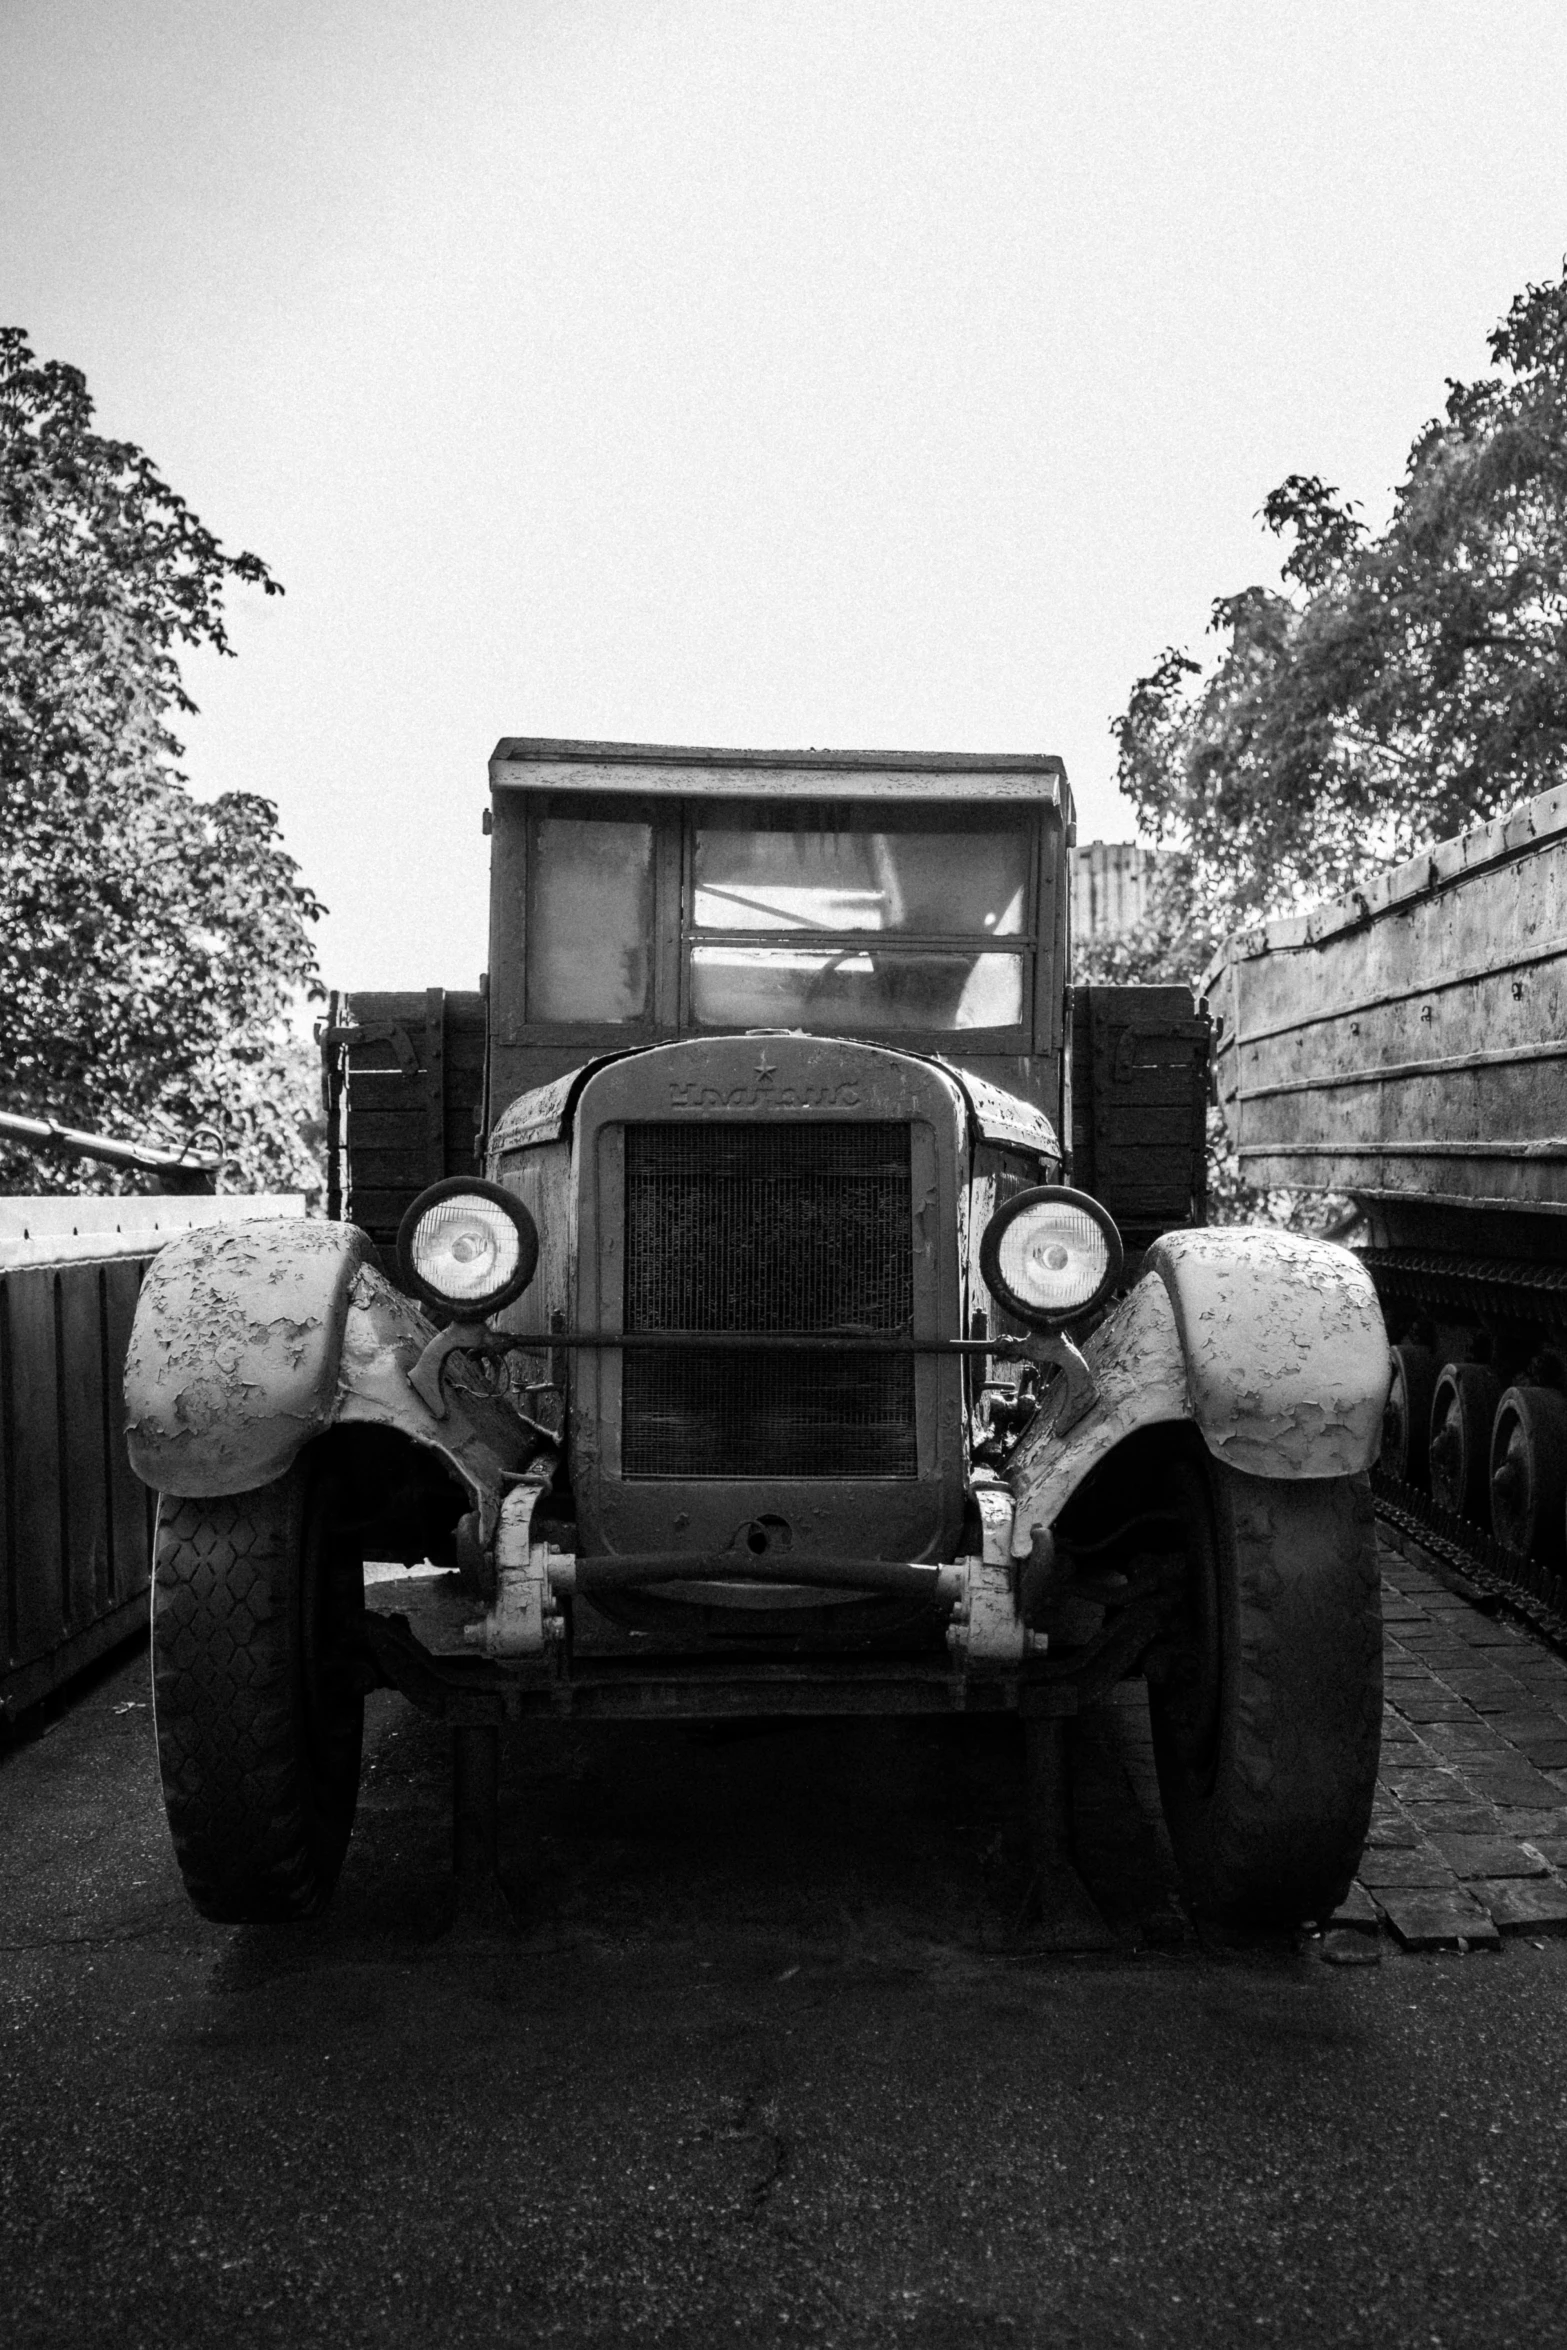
(769,1366)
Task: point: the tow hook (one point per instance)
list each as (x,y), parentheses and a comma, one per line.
(987,1628)
(525,1618)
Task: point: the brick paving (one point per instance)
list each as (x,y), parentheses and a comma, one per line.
(1468,1839)
(1469,1833)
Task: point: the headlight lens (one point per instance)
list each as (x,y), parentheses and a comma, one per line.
(465,1248)
(1050,1255)
(469,1248)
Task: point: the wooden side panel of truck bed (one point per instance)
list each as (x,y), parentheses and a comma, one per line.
(1411,1040)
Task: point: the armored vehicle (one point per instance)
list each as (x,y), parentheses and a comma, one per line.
(1405,1046)
(760,1359)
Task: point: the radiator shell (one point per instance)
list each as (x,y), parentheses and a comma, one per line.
(750,1087)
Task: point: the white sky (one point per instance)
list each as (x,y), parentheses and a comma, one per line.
(784,372)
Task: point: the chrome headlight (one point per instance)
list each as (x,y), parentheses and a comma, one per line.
(1050,1255)
(467,1247)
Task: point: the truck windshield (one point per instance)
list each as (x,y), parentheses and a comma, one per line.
(942,884)
(787,919)
(849,928)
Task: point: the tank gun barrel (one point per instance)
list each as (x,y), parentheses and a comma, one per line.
(173,1171)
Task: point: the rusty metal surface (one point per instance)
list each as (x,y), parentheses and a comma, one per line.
(1139,1373)
(480,1437)
(75,1526)
(249,1342)
(1286,1352)
(1005,1118)
(545,1114)
(1274,1346)
(1410,1041)
(782,1081)
(233,1361)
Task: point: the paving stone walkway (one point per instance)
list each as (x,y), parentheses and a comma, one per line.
(1469,1835)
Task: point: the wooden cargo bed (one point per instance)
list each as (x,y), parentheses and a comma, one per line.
(408,1075)
(1409,1043)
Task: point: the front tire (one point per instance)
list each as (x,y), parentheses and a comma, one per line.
(258,1695)
(1267,1741)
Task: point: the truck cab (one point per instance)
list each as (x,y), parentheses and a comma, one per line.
(765,1036)
(638,896)
(714,1329)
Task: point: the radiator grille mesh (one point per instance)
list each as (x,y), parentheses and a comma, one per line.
(761,1228)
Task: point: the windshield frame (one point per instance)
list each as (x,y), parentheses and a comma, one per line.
(675,822)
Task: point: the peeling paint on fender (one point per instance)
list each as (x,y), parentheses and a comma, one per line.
(1286,1351)
(249,1340)
(1140,1373)
(383,1337)
(233,1356)
(1272,1344)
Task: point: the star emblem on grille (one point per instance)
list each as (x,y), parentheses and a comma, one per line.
(765,1070)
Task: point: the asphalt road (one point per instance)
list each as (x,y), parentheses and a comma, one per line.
(760,2060)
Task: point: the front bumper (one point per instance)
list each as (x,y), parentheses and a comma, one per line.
(519,1658)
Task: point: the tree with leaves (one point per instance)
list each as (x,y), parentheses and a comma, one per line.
(1399,687)
(151,945)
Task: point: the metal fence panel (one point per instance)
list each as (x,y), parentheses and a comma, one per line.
(131,1506)
(75,1525)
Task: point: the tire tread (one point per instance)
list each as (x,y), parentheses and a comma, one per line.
(252,1837)
(1278,1837)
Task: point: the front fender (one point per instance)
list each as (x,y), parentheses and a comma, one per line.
(1286,1352)
(251,1339)
(1139,1379)
(1273,1346)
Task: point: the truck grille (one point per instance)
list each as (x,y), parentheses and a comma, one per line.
(760,1228)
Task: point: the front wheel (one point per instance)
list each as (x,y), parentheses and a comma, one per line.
(257,1689)
(1267,1731)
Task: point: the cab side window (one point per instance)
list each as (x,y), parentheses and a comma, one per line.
(590,920)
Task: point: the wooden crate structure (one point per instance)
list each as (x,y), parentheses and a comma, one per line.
(1139,1095)
(405,1095)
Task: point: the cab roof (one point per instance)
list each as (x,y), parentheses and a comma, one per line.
(538,763)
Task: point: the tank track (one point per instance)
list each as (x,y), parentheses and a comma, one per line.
(1530,1299)
(1470,1285)
(1531,1591)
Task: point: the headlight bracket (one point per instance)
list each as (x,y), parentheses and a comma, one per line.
(1081,1390)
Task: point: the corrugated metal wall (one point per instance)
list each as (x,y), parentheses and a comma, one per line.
(75,1524)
